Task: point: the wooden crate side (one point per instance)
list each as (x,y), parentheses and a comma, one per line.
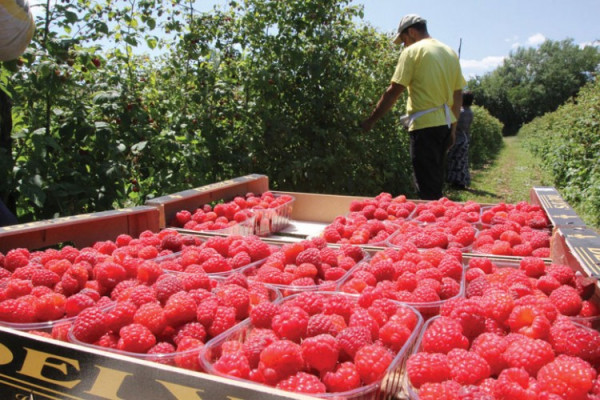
(558,210)
(80,230)
(191,199)
(319,207)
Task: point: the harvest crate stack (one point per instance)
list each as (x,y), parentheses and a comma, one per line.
(233,290)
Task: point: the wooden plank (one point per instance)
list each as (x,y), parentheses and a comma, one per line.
(191,199)
(80,230)
(578,247)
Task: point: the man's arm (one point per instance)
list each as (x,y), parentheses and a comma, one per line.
(385,103)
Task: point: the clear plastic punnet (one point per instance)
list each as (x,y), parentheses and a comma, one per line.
(388,386)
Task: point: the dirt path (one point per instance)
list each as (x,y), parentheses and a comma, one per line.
(509,178)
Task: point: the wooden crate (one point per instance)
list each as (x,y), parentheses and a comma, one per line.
(80,230)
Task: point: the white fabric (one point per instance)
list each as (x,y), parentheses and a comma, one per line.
(408,119)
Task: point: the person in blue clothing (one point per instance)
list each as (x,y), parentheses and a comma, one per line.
(16,30)
(458,174)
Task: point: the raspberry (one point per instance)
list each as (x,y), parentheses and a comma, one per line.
(310,255)
(256,341)
(279,360)
(338,304)
(361,317)
(563,273)
(321,352)
(167,285)
(343,379)
(372,362)
(422,368)
(50,306)
(533,267)
(188,351)
(216,264)
(567,300)
(324,323)
(16,258)
(529,354)
(89,325)
(233,364)
(467,367)
(574,340)
(76,303)
(121,315)
(205,312)
(471,316)
(224,319)
(547,284)
(290,323)
(262,314)
(497,304)
(529,321)
(394,335)
(258,250)
(302,382)
(451,267)
(310,302)
(191,329)
(569,377)
(236,297)
(449,288)
(179,309)
(44,277)
(490,346)
(152,316)
(138,295)
(135,338)
(352,339)
(515,384)
(443,335)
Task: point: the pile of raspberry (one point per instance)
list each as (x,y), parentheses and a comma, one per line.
(364,223)
(309,263)
(509,238)
(512,337)
(227,214)
(445,210)
(218,255)
(48,285)
(358,230)
(455,233)
(170,319)
(316,342)
(423,279)
(522,213)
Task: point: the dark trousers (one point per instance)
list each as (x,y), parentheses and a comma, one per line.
(6,217)
(428,155)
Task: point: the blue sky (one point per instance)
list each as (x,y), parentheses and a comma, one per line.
(490,29)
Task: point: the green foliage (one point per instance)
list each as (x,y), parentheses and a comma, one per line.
(532,81)
(568,142)
(259,86)
(486,137)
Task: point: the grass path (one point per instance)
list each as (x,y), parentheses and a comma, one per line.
(508,178)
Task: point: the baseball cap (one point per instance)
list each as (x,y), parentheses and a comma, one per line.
(407,21)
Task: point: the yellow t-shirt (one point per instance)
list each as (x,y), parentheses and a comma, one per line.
(431,72)
(16,28)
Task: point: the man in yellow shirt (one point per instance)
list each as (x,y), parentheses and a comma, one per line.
(431,73)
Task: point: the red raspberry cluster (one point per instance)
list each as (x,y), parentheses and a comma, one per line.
(315,342)
(308,263)
(522,213)
(170,320)
(226,214)
(369,221)
(218,255)
(512,337)
(358,230)
(407,275)
(511,239)
(455,233)
(445,210)
(52,284)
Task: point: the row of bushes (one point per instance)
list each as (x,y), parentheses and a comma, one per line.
(263,86)
(567,142)
(486,137)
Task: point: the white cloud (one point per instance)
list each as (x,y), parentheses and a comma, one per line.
(536,39)
(471,68)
